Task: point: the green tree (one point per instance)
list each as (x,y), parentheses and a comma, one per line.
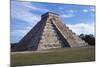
(90,39)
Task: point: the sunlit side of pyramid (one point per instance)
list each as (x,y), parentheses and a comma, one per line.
(49,33)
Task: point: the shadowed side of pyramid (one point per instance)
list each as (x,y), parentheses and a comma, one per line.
(49,33)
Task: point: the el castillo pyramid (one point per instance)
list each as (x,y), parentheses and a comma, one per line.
(49,33)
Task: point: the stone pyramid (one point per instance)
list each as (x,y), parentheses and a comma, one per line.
(49,33)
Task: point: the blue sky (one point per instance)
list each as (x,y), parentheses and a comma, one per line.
(24,15)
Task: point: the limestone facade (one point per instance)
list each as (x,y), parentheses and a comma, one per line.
(49,33)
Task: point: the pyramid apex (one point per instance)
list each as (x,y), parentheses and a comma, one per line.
(47,14)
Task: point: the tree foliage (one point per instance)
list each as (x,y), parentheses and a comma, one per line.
(90,39)
(13,45)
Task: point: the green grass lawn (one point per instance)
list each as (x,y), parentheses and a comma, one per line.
(62,55)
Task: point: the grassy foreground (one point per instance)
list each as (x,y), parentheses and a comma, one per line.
(62,55)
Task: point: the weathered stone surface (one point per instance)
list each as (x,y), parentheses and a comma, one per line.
(49,33)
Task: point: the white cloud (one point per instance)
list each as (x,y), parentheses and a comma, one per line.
(82,28)
(19,32)
(17,35)
(71,11)
(85,10)
(92,9)
(60,8)
(34,7)
(28,5)
(22,11)
(67,15)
